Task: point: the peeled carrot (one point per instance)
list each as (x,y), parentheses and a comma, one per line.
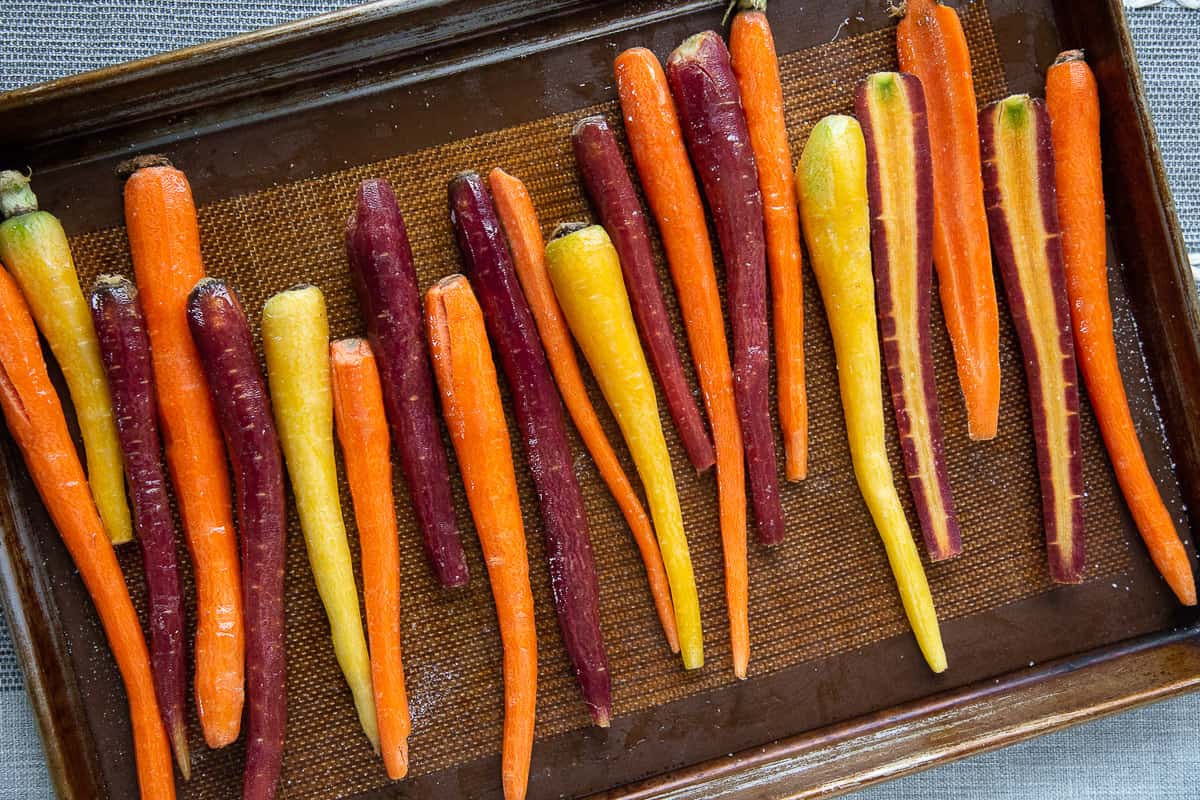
(164,241)
(35,419)
(662,163)
(466,377)
(932,46)
(34,246)
(586,275)
(366,450)
(295,333)
(752,52)
(515,209)
(831,181)
(1074,108)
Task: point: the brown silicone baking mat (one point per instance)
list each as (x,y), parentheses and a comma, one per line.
(829,639)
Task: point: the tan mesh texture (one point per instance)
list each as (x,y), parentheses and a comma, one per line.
(826,590)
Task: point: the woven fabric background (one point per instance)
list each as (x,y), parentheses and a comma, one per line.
(33,47)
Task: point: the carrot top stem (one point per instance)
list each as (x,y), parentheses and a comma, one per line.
(16,198)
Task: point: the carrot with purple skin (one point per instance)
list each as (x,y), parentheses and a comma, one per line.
(715,129)
(1018,177)
(125,351)
(243,410)
(608,184)
(381,266)
(520,222)
(540,417)
(891,109)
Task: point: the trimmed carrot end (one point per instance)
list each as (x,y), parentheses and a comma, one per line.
(395,761)
(179,745)
(796,452)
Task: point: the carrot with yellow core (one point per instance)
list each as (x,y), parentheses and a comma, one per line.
(295,332)
(34,247)
(586,276)
(831,181)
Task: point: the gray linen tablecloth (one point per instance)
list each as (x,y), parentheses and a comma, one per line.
(1150,753)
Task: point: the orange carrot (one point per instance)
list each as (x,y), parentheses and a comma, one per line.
(752,49)
(931,45)
(1074,108)
(164,240)
(366,449)
(35,419)
(466,378)
(516,212)
(662,163)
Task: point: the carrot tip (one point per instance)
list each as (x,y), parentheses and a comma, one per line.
(601,717)
(179,744)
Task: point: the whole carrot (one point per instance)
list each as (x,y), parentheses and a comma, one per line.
(586,274)
(34,246)
(515,209)
(1074,108)
(539,415)
(295,333)
(366,451)
(385,280)
(932,46)
(717,136)
(607,179)
(226,352)
(752,53)
(164,241)
(35,419)
(125,348)
(831,181)
(662,163)
(466,376)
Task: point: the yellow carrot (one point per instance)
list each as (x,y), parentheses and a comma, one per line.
(34,247)
(831,182)
(586,276)
(295,333)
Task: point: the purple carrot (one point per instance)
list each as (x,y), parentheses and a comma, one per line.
(714,128)
(891,108)
(381,265)
(226,351)
(616,202)
(1022,211)
(125,350)
(544,433)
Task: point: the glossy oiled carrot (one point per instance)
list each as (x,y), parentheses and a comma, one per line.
(831,181)
(164,241)
(466,376)
(1074,107)
(586,275)
(932,46)
(752,53)
(34,247)
(35,419)
(366,450)
(662,163)
(515,209)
